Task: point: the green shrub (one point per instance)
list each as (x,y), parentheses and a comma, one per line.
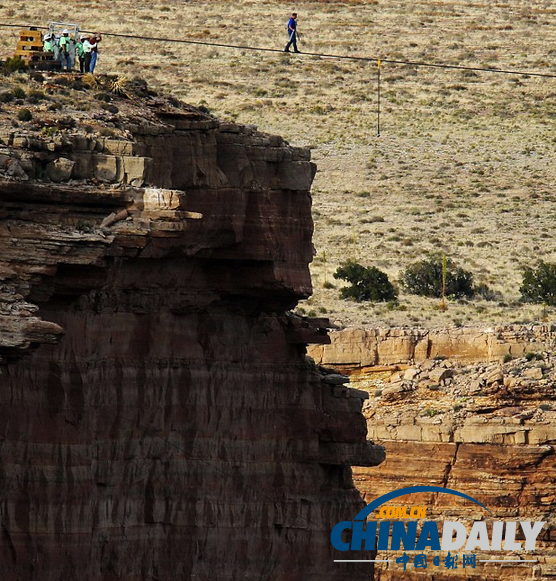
(539,284)
(49,131)
(6,97)
(35,96)
(85,226)
(25,115)
(425,278)
(14,64)
(367,283)
(19,93)
(483,291)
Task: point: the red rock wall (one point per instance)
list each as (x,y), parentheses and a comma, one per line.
(159,419)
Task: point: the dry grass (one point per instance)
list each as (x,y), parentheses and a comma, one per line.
(465,163)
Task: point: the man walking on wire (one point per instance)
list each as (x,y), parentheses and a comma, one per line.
(292,33)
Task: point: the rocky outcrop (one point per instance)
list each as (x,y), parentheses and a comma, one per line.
(159,417)
(481,420)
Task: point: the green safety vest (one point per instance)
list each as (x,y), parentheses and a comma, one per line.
(64,44)
(48,46)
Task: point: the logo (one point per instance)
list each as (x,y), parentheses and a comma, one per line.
(382,532)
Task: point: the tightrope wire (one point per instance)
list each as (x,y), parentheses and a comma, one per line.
(305,54)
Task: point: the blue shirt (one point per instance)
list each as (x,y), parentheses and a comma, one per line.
(292,25)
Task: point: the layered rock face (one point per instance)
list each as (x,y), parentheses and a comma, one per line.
(357,349)
(159,418)
(467,409)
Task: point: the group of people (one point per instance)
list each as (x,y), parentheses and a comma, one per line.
(66,49)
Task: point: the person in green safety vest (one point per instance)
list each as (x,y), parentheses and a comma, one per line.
(65,50)
(48,45)
(87,52)
(80,51)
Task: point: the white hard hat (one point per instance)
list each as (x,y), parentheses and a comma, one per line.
(65,31)
(47,36)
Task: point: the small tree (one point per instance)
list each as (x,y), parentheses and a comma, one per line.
(13,64)
(24,115)
(539,284)
(367,283)
(436,277)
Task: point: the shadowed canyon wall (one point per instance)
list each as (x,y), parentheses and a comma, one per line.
(158,416)
(471,409)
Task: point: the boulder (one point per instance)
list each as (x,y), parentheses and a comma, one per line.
(60,170)
(440,374)
(533,373)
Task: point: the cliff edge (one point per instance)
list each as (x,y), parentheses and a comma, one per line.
(160,419)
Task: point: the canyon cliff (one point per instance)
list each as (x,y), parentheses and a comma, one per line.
(470,409)
(159,417)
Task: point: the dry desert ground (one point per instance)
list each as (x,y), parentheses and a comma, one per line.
(465,163)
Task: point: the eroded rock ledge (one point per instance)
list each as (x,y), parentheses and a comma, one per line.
(159,417)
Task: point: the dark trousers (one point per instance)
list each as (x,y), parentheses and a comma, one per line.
(293,39)
(82,67)
(87,57)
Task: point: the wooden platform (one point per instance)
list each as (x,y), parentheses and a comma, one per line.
(30,50)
